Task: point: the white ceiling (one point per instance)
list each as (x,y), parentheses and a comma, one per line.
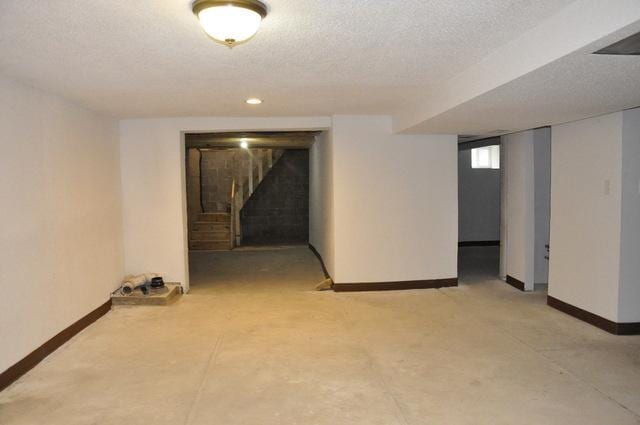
(546,76)
(150,58)
(437,66)
(581,85)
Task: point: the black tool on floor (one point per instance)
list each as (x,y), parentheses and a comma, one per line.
(157,282)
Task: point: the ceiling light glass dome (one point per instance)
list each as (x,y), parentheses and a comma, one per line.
(230,21)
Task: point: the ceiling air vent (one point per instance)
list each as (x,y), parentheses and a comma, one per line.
(628,46)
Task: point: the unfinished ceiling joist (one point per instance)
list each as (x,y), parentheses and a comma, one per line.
(262,139)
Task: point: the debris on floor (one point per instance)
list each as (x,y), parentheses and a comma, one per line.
(146,289)
(132,282)
(325,285)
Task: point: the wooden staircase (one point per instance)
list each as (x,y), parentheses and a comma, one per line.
(221,231)
(212,231)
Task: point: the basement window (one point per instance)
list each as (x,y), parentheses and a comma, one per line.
(487,157)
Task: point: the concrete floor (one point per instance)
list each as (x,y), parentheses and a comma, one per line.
(253,344)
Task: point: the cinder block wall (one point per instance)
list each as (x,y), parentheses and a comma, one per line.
(218,169)
(193,184)
(278,211)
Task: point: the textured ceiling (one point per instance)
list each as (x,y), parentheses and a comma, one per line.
(580,86)
(140,58)
(573,85)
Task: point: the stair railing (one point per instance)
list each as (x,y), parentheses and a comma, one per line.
(232,213)
(237,195)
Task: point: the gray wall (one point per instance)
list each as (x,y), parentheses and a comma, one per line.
(629,292)
(278,210)
(219,168)
(478,200)
(542,203)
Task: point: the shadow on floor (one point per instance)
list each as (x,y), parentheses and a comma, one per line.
(260,268)
(478,263)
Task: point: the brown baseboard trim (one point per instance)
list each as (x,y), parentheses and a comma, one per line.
(593,319)
(324,268)
(632,328)
(395,286)
(518,284)
(479,243)
(26,364)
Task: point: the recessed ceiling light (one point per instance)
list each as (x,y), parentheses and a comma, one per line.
(244,144)
(254,101)
(230,21)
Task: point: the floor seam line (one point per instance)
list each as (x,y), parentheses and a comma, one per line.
(385,386)
(540,353)
(588,384)
(208,367)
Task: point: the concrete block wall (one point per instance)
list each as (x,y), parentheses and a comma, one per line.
(278,211)
(194,206)
(219,168)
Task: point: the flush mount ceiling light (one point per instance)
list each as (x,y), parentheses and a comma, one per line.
(254,101)
(230,21)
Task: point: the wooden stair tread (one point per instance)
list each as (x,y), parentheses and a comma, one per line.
(210,236)
(205,226)
(214,217)
(210,245)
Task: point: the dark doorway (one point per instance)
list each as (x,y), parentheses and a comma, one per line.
(479,197)
(247,189)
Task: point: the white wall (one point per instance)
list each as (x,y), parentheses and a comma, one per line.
(503,214)
(321,229)
(519,203)
(586,214)
(526,189)
(394,197)
(478,200)
(60,237)
(395,203)
(153,180)
(629,293)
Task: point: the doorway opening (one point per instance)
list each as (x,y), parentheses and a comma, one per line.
(479,195)
(248,210)
(247,189)
(504,209)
